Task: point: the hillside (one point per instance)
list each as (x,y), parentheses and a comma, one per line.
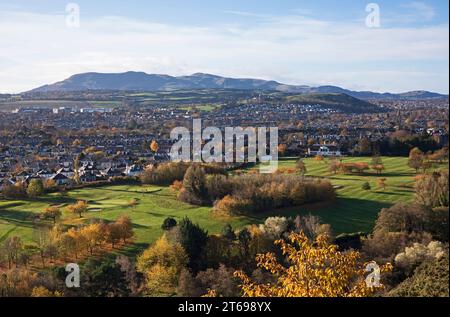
(140,81)
(337,101)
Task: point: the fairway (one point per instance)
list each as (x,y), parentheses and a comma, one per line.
(154,204)
(354,210)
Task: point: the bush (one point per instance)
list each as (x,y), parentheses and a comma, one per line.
(194,186)
(430,279)
(168,224)
(403,217)
(15,191)
(366,186)
(164,174)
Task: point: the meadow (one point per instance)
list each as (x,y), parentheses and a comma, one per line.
(355,209)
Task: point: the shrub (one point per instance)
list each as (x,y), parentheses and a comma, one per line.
(168,224)
(430,279)
(366,186)
(164,174)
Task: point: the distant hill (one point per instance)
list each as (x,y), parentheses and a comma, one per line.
(139,81)
(337,101)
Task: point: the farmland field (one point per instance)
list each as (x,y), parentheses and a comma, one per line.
(354,210)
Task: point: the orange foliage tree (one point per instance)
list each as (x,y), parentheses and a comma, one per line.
(316,269)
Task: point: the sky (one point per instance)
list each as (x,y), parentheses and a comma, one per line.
(302,42)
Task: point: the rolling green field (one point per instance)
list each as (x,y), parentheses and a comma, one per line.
(354,210)
(154,204)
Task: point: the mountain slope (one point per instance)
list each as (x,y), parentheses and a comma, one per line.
(140,81)
(337,101)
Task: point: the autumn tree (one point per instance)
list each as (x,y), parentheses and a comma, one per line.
(79,208)
(161,265)
(35,188)
(12,247)
(93,236)
(194,186)
(52,212)
(301,167)
(315,269)
(282,149)
(381,183)
(125,227)
(432,190)
(415,159)
(113,233)
(154,146)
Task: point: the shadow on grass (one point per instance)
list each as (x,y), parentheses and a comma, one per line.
(345,215)
(133,250)
(22,218)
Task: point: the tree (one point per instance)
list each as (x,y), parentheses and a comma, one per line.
(301,167)
(125,227)
(403,217)
(79,208)
(113,233)
(104,278)
(376,160)
(193,240)
(228,233)
(75,240)
(430,279)
(154,146)
(161,265)
(194,186)
(244,238)
(12,246)
(381,183)
(315,269)
(415,159)
(334,166)
(168,224)
(35,188)
(93,235)
(366,186)
(282,149)
(432,190)
(378,168)
(52,212)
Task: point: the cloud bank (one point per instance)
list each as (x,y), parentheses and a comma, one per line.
(37,49)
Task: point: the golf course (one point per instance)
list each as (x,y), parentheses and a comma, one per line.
(355,208)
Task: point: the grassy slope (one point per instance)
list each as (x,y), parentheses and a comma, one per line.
(354,210)
(154,205)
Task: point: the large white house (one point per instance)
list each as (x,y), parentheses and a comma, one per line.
(324,150)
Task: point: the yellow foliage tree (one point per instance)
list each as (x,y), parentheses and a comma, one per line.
(316,269)
(161,265)
(78,208)
(41,291)
(154,146)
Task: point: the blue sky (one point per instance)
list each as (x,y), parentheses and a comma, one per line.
(298,42)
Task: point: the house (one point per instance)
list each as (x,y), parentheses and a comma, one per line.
(111,172)
(66,171)
(22,176)
(133,170)
(45,174)
(60,179)
(324,150)
(87,176)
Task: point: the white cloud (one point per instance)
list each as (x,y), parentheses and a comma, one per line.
(39,49)
(421,9)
